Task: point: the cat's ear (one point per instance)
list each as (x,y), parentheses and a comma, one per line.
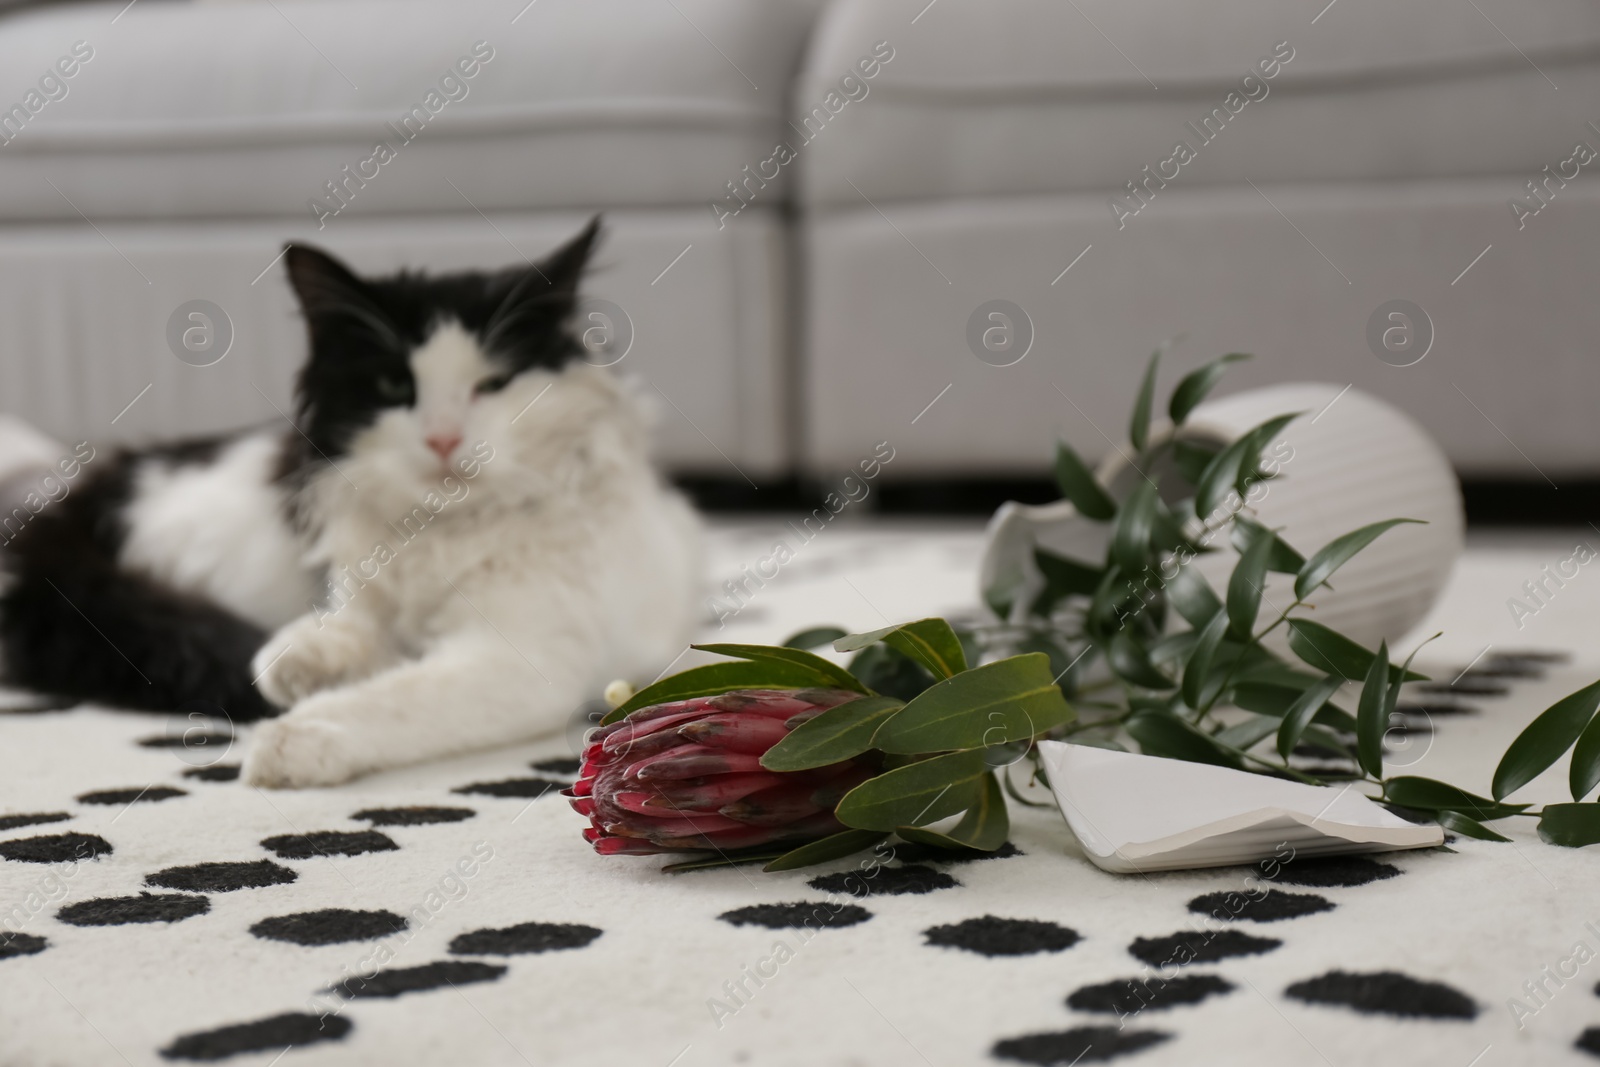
(329,291)
(541,296)
(562,269)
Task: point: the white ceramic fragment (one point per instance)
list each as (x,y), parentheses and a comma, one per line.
(1134,813)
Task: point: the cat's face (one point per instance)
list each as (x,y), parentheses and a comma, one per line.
(412,371)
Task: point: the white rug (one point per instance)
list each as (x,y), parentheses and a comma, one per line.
(622,964)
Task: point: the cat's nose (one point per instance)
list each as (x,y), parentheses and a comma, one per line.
(443,444)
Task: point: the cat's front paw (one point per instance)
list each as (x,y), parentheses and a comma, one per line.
(309,655)
(300,752)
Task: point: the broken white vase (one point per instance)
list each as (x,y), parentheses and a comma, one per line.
(1134,814)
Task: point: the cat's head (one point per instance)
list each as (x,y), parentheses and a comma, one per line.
(419,368)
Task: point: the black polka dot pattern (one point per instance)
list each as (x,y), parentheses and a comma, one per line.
(12,822)
(812,914)
(1271,906)
(1589,1041)
(1192,946)
(1129,996)
(993,936)
(217,772)
(558,766)
(188,739)
(12,945)
(55,848)
(144,908)
(273,1034)
(524,939)
(222,877)
(393,983)
(330,926)
(884,881)
(917,853)
(328,843)
(1334,871)
(1385,993)
(413,816)
(146,795)
(1083,1044)
(513,787)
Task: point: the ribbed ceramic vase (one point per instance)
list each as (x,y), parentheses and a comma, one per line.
(1349,460)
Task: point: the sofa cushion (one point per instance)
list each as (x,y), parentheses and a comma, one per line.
(1038,96)
(251,108)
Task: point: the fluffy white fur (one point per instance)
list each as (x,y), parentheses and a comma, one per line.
(474,599)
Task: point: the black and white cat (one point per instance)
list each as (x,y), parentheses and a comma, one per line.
(461,539)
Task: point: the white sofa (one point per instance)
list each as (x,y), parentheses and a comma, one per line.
(793,307)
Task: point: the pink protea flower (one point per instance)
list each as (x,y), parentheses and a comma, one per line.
(687,776)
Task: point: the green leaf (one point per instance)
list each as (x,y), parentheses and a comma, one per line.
(1245,588)
(1007,700)
(837,734)
(1570,825)
(1256,442)
(931,642)
(1299,714)
(1139,429)
(816,637)
(1427,794)
(1372,720)
(1544,740)
(1196,384)
(1161,734)
(1283,559)
(1584,774)
(1078,485)
(984,827)
(1063,578)
(840,845)
(891,673)
(717,678)
(829,675)
(1065,665)
(1245,735)
(1198,671)
(1130,662)
(1191,459)
(1191,595)
(1130,534)
(916,794)
(1459,823)
(1221,474)
(1333,653)
(1337,553)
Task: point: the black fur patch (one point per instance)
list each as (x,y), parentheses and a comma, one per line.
(917,853)
(1385,993)
(524,938)
(330,926)
(146,795)
(20,945)
(513,787)
(55,848)
(810,913)
(191,739)
(1589,1041)
(328,843)
(11,822)
(887,881)
(1334,871)
(414,816)
(222,877)
(1083,1044)
(558,766)
(1129,996)
(393,983)
(1267,907)
(993,936)
(1192,946)
(264,1035)
(144,908)
(217,772)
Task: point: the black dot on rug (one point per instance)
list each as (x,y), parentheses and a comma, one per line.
(217,772)
(417,979)
(1192,946)
(328,843)
(524,938)
(144,908)
(993,936)
(274,1034)
(1084,1044)
(1385,993)
(1334,871)
(1589,1041)
(1271,906)
(810,913)
(513,787)
(222,877)
(330,926)
(55,848)
(12,822)
(146,795)
(558,766)
(413,816)
(886,881)
(190,739)
(1128,996)
(917,853)
(20,945)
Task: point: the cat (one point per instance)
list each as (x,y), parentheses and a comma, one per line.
(459,541)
